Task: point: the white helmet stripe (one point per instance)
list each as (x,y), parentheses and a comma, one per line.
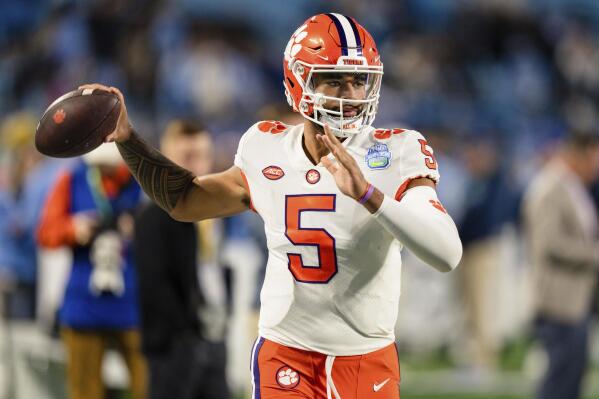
(352,43)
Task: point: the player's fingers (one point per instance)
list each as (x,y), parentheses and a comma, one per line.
(118,94)
(329,134)
(347,160)
(88,86)
(326,161)
(93,86)
(335,143)
(329,145)
(116,91)
(329,165)
(340,153)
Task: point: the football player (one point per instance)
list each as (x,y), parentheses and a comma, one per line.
(334,193)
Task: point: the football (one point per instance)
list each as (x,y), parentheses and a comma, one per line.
(77,122)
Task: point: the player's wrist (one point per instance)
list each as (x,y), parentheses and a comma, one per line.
(372,198)
(366,193)
(125,134)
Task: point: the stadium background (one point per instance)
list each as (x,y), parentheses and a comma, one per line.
(493,85)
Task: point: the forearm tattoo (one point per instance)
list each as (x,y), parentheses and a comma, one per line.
(163,180)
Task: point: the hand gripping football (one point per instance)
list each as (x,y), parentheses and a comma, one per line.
(77,123)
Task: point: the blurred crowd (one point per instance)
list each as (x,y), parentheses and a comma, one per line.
(494,85)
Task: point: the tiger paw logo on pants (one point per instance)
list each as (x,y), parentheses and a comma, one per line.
(287,377)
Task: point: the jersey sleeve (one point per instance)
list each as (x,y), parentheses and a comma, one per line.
(241,155)
(261,128)
(238,160)
(417,159)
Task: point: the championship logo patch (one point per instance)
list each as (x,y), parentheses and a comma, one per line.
(287,377)
(378,157)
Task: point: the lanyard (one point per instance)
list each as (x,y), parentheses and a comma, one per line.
(98,194)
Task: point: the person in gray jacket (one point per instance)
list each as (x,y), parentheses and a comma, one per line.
(561,226)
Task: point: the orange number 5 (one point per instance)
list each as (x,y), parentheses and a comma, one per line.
(430,161)
(319,238)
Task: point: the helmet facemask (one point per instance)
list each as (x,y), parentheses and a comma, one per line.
(312,103)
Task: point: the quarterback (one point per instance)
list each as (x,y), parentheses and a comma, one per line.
(334,193)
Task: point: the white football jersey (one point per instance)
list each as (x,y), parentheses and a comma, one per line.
(327,286)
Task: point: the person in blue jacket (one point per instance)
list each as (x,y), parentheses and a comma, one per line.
(90,210)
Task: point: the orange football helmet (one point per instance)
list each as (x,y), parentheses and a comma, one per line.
(332,43)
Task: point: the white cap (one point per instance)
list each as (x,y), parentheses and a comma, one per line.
(105,154)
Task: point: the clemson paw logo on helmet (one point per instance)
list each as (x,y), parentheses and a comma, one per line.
(287,377)
(274,127)
(294,46)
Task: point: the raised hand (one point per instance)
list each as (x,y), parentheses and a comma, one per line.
(345,170)
(122,131)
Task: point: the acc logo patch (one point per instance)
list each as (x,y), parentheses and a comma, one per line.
(287,377)
(273,172)
(378,157)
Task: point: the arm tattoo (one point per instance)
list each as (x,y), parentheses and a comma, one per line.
(163,180)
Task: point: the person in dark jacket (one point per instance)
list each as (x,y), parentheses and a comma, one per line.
(183,361)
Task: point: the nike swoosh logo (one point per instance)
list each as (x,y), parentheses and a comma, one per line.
(377,387)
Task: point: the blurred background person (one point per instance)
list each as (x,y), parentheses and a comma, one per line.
(561,226)
(489,203)
(183,286)
(90,210)
(21,200)
(25,178)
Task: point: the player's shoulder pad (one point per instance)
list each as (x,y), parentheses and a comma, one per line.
(411,149)
(397,137)
(260,134)
(263,131)
(387,134)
